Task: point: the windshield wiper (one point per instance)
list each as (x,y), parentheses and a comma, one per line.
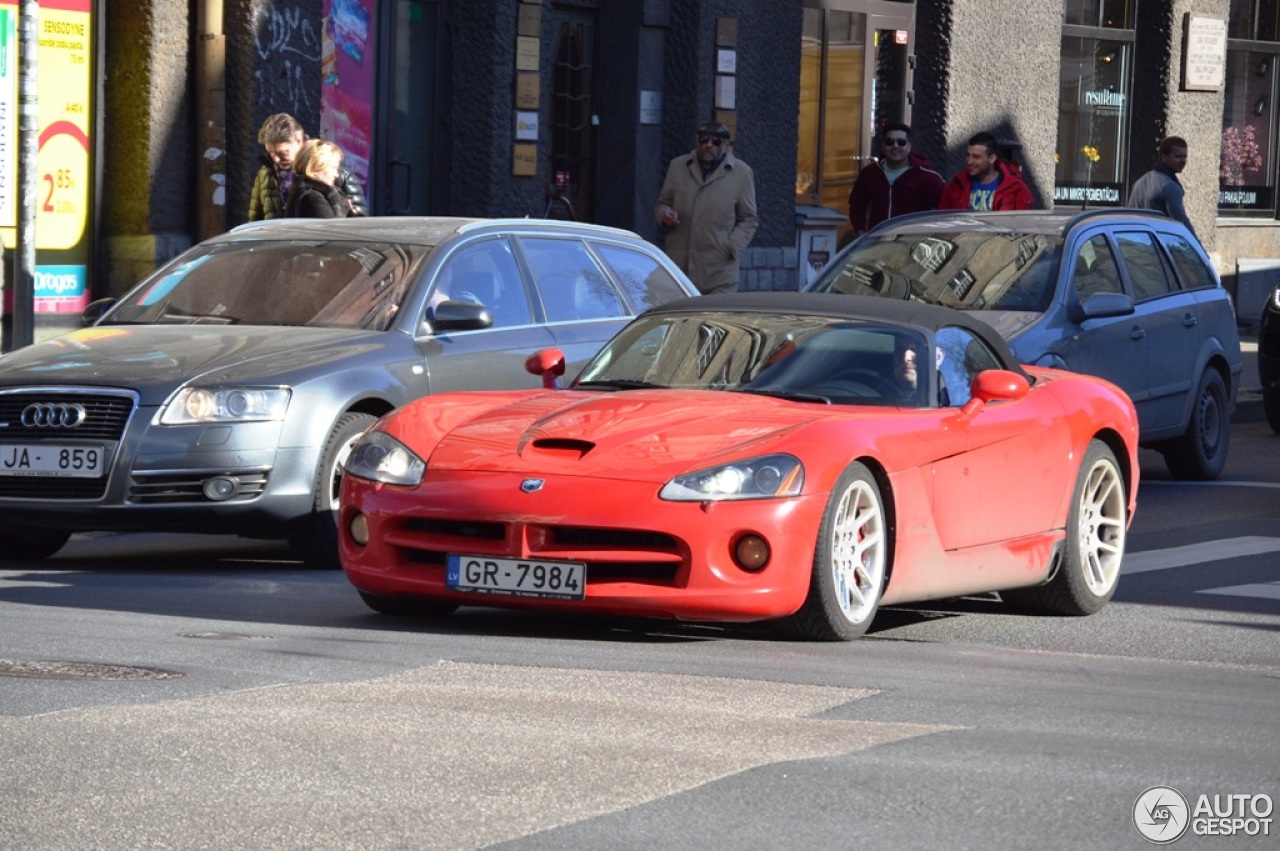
(619,384)
(784,394)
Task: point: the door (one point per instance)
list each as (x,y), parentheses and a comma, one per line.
(1112,347)
(408,177)
(571,113)
(855,75)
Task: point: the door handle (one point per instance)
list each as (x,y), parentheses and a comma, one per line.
(1190,320)
(1137,332)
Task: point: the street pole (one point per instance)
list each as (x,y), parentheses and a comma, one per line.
(24,261)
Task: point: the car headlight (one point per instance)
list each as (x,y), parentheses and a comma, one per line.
(1274,301)
(752,478)
(379,457)
(196,405)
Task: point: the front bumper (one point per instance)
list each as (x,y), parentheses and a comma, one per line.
(155,475)
(644,556)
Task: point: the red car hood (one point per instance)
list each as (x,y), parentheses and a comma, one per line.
(631,434)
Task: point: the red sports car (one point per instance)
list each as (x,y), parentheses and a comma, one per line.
(802,458)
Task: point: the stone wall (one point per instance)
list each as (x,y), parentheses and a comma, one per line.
(148,147)
(1162,109)
(988,66)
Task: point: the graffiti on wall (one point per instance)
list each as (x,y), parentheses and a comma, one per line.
(287,43)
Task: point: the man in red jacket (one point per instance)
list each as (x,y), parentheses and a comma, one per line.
(901,182)
(985,182)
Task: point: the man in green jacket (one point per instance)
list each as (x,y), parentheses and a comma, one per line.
(707,207)
(281,136)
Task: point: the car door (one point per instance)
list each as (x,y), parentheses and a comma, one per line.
(1171,319)
(582,306)
(484,271)
(1111,347)
(1007,481)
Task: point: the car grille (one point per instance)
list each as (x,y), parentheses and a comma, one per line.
(106,416)
(611,555)
(188,486)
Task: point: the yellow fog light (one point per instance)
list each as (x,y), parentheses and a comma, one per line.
(751,552)
(358,528)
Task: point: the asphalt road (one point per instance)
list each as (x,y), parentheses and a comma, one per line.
(179,692)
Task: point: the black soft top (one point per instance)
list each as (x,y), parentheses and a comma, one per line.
(916,314)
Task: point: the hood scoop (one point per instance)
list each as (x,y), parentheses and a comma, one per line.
(567,448)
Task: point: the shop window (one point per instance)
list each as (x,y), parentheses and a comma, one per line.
(1114,14)
(832,70)
(1248,167)
(1090,159)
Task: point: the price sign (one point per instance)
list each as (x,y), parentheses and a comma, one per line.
(62,163)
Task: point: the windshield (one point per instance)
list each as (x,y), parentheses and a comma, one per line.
(970,270)
(277,282)
(816,359)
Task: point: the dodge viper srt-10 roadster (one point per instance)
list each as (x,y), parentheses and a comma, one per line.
(797,458)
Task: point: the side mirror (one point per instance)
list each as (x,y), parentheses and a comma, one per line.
(999,385)
(458,316)
(994,385)
(549,363)
(96,310)
(1101,305)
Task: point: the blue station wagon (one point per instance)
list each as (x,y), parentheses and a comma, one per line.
(1127,295)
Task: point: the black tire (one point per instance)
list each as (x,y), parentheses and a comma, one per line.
(1200,454)
(32,544)
(317,542)
(1271,407)
(410,606)
(850,562)
(1096,528)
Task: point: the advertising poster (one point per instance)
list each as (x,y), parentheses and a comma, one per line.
(64,71)
(347,74)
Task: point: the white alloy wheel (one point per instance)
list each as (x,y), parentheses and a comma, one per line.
(850,561)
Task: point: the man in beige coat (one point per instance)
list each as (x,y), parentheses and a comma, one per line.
(707,206)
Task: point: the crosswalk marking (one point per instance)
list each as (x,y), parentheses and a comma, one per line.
(1205,551)
(1148,483)
(1262,590)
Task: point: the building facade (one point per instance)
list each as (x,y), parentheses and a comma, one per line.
(574,107)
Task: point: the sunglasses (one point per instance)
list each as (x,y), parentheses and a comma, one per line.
(714,140)
(897,143)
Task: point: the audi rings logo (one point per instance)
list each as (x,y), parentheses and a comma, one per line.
(53,415)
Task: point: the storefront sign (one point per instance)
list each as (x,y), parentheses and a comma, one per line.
(1096,194)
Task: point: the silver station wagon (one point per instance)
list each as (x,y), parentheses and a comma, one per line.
(222,394)
(1127,295)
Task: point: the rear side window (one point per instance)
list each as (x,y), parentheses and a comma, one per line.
(572,286)
(647,284)
(1148,272)
(1193,271)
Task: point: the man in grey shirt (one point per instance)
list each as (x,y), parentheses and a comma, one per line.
(1160,189)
